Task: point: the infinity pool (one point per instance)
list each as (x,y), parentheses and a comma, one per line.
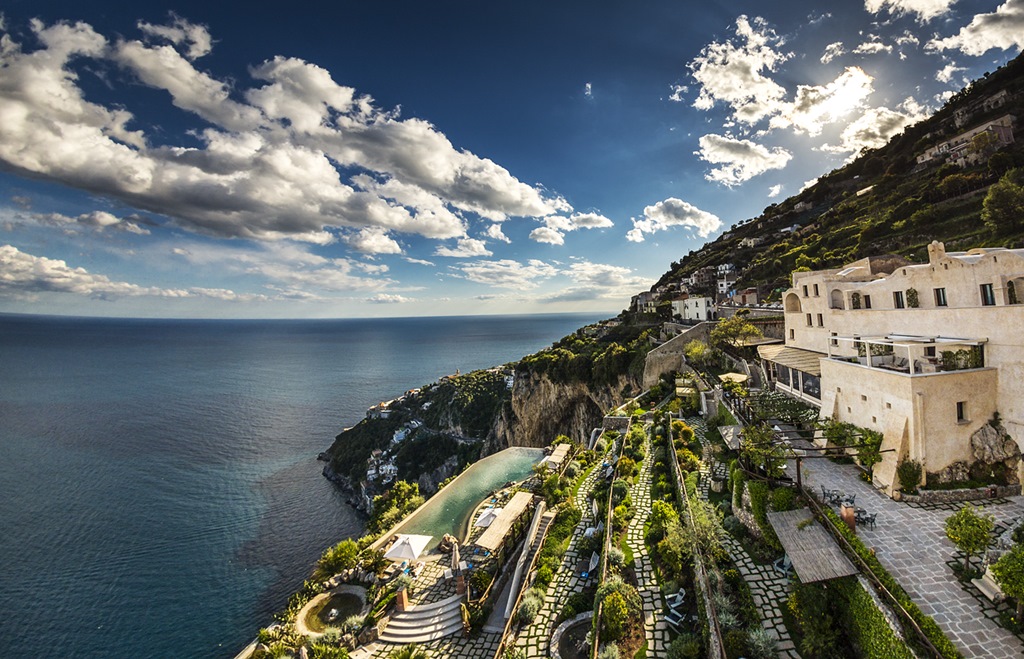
(449,510)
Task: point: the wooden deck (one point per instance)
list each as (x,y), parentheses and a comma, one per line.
(813,552)
(494,536)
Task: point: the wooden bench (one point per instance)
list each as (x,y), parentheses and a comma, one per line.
(988,587)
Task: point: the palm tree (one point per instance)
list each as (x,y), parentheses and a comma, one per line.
(409,652)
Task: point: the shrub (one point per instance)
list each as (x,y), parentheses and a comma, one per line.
(909,472)
(759,507)
(342,556)
(616,557)
(685,646)
(735,642)
(530,605)
(610,651)
(614,616)
(480,580)
(762,645)
(783,499)
(687,460)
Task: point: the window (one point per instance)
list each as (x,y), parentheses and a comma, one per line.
(867,301)
(812,385)
(821,320)
(988,297)
(929,351)
(888,406)
(961,411)
(835,341)
(863,397)
(805,290)
(809,323)
(815,290)
(940,297)
(792,334)
(897,300)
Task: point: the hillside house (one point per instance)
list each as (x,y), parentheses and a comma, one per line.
(960,151)
(695,309)
(923,353)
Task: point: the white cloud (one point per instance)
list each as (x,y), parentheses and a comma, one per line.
(740,160)
(817,105)
(808,184)
(590,221)
(733,72)
(506,273)
(926,10)
(24,275)
(873,46)
(388,298)
(547,235)
(832,51)
(373,240)
(195,38)
(774,191)
(946,73)
(494,232)
(588,90)
(597,281)
(1002,29)
(98,220)
(908,38)
(270,164)
(673,212)
(419,261)
(677,92)
(875,126)
(465,248)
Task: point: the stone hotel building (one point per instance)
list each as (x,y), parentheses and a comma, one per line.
(924,353)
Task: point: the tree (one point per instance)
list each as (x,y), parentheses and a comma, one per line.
(342,556)
(969,531)
(1009,574)
(760,449)
(697,353)
(734,332)
(614,616)
(1003,208)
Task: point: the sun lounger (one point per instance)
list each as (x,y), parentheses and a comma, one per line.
(783,565)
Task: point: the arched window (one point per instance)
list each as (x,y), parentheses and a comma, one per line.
(793,303)
(836,299)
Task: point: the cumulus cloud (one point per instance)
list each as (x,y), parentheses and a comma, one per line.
(507,273)
(1002,29)
(876,126)
(832,51)
(547,235)
(388,298)
(98,220)
(494,232)
(677,92)
(595,281)
(873,46)
(373,240)
(271,164)
(740,160)
(194,38)
(926,10)
(24,275)
(673,212)
(556,226)
(734,72)
(946,73)
(817,105)
(465,248)
(774,191)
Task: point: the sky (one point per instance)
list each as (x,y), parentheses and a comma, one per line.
(433,158)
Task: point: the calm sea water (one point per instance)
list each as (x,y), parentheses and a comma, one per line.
(159,493)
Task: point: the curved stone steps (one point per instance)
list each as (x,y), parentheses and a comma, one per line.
(424,623)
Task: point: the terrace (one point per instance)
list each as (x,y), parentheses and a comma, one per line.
(909,354)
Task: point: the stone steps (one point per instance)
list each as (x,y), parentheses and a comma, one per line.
(429,622)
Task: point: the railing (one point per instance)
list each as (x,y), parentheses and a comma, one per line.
(604,552)
(866,570)
(519,597)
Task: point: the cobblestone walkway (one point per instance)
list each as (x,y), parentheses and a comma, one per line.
(911,543)
(483,646)
(655,627)
(536,638)
(769,589)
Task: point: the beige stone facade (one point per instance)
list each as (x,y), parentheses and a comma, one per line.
(924,353)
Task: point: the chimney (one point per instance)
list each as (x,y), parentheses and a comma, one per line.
(936,252)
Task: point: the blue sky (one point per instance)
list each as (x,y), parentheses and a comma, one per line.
(408,158)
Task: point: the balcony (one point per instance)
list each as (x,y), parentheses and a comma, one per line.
(909,354)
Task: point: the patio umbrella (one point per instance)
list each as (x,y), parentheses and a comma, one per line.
(455,558)
(738,378)
(595,560)
(408,547)
(487,517)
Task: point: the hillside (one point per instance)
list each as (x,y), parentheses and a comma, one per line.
(885,201)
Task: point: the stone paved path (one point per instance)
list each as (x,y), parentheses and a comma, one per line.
(911,543)
(483,646)
(769,588)
(655,627)
(536,638)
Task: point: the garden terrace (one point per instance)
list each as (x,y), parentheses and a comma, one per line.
(814,554)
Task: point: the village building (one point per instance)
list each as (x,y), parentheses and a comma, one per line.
(695,309)
(926,354)
(961,149)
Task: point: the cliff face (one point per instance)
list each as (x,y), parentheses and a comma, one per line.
(542,409)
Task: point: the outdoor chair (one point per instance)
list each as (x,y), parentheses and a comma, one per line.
(783,565)
(676,600)
(850,499)
(674,619)
(869,520)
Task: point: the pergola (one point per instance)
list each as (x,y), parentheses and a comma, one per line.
(494,536)
(814,554)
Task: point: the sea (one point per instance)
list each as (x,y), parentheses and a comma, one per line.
(159,489)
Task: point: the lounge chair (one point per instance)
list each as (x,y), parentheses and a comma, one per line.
(783,565)
(674,619)
(675,601)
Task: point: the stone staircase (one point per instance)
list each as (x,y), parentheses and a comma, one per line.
(424,623)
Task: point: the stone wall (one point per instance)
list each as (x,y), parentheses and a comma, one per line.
(954,496)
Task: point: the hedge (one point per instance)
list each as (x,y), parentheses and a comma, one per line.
(759,507)
(869,630)
(927,625)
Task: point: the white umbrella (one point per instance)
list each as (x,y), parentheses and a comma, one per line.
(595,560)
(408,547)
(455,559)
(487,516)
